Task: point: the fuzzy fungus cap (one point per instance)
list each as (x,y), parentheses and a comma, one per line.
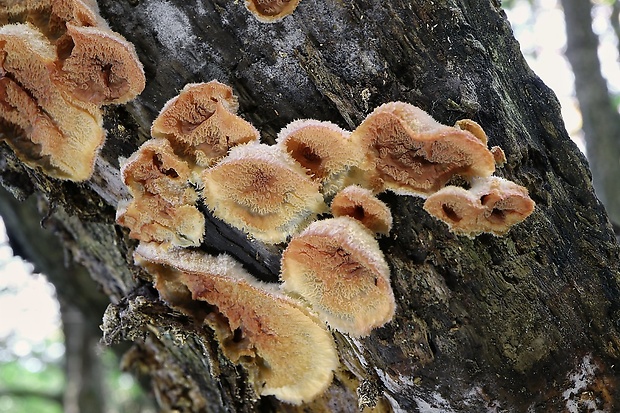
(287,352)
(163,208)
(262,191)
(270,11)
(491,205)
(78,12)
(201,121)
(416,155)
(325,150)
(45,126)
(98,66)
(336,265)
(361,204)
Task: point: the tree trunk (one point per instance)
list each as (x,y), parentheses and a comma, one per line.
(524,322)
(601,121)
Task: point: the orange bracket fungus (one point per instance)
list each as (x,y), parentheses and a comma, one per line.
(360,203)
(287,352)
(98,66)
(56,71)
(202,123)
(413,154)
(263,191)
(333,266)
(270,11)
(337,267)
(323,149)
(163,205)
(491,205)
(43,125)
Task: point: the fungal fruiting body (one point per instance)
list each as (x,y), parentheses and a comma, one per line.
(45,127)
(101,67)
(413,154)
(262,191)
(323,149)
(202,123)
(55,74)
(361,204)
(163,208)
(270,11)
(287,352)
(336,265)
(332,269)
(491,205)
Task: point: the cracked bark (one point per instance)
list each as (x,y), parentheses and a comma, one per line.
(492,322)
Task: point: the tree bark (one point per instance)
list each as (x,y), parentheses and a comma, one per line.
(523,322)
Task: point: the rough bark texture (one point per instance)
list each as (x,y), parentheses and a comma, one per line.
(601,121)
(526,321)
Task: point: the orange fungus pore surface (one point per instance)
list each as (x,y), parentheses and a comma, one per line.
(44,126)
(323,149)
(261,190)
(270,11)
(202,122)
(163,208)
(416,155)
(287,352)
(59,64)
(491,205)
(337,267)
(361,204)
(99,66)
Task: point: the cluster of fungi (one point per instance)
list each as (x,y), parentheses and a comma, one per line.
(59,63)
(314,192)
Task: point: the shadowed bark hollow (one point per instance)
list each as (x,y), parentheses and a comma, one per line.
(525,321)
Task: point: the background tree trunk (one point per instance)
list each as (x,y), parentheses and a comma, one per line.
(526,321)
(601,121)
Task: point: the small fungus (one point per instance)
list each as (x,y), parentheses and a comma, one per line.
(270,11)
(323,149)
(360,203)
(202,123)
(163,208)
(98,66)
(473,128)
(414,154)
(263,191)
(491,205)
(498,155)
(337,267)
(287,352)
(44,126)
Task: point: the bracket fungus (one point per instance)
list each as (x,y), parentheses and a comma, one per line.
(323,149)
(55,74)
(336,265)
(42,124)
(491,205)
(262,191)
(202,122)
(270,11)
(287,352)
(163,208)
(361,204)
(413,154)
(98,66)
